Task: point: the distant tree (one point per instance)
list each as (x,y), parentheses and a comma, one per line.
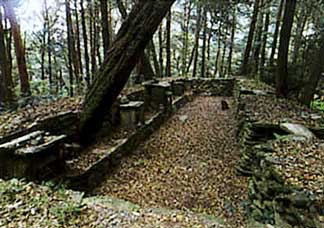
(19,47)
(6,84)
(247,52)
(285,34)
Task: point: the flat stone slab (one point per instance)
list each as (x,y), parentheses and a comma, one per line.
(297,129)
(132,104)
(19,142)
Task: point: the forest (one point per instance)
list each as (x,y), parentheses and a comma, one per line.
(161,113)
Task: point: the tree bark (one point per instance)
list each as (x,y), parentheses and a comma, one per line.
(19,48)
(6,84)
(203,57)
(49,48)
(309,89)
(160,36)
(168,46)
(231,47)
(144,65)
(85,45)
(70,45)
(78,40)
(197,36)
(246,57)
(219,43)
(257,42)
(132,38)
(105,26)
(276,32)
(301,22)
(264,42)
(285,34)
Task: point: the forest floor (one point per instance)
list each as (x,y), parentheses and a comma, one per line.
(188,164)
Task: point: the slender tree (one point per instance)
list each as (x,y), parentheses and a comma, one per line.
(276,32)
(104,26)
(6,84)
(85,44)
(246,57)
(19,48)
(285,33)
(168,46)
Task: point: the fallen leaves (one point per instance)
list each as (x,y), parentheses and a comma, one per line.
(26,117)
(301,163)
(186,165)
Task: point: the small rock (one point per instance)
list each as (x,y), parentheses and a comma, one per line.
(304,115)
(315,116)
(321,146)
(124,100)
(183,118)
(297,129)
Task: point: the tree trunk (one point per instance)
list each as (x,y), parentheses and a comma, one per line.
(231,47)
(105,26)
(70,45)
(122,9)
(152,50)
(197,34)
(222,65)
(257,42)
(144,65)
(160,36)
(309,89)
(77,40)
(185,38)
(49,49)
(285,33)
(246,57)
(276,32)
(132,38)
(168,46)
(6,84)
(218,49)
(85,45)
(264,41)
(301,22)
(97,29)
(19,49)
(203,58)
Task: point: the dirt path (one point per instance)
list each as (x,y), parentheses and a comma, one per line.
(189,164)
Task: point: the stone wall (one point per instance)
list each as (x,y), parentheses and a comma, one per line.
(273,201)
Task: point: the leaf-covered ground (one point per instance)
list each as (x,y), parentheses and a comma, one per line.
(30,205)
(269,109)
(30,114)
(189,164)
(301,163)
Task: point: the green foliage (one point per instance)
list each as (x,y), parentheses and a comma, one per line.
(283,138)
(317,105)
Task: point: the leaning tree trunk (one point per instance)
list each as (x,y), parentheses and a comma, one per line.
(285,33)
(144,65)
(132,38)
(19,48)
